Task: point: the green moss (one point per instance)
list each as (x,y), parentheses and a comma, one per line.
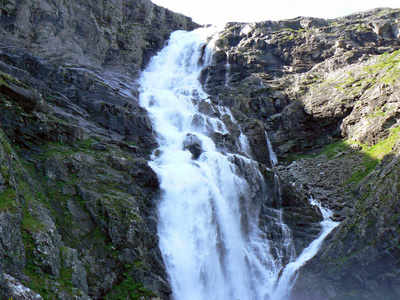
(59,148)
(367,166)
(30,223)
(359,28)
(390,63)
(344,259)
(385,70)
(382,148)
(332,150)
(5,173)
(374,154)
(8,200)
(65,278)
(37,280)
(39,283)
(130,289)
(7,146)
(6,78)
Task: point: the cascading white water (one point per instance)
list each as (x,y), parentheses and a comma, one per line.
(289,274)
(199,228)
(209,230)
(272,156)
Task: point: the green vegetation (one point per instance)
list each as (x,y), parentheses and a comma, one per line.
(129,289)
(386,70)
(8,200)
(6,78)
(55,148)
(374,154)
(344,259)
(382,148)
(390,63)
(65,278)
(371,155)
(332,150)
(30,223)
(37,280)
(367,166)
(359,28)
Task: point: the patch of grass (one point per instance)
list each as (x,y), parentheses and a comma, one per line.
(385,70)
(130,289)
(382,148)
(344,259)
(374,154)
(331,150)
(59,148)
(8,200)
(39,283)
(368,165)
(388,62)
(65,278)
(37,280)
(30,223)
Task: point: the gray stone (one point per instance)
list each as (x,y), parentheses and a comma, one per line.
(16,290)
(71,261)
(193,144)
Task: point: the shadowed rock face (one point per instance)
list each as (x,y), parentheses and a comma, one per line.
(327,93)
(77,197)
(120,36)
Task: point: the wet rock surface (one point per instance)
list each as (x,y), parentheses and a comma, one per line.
(193,144)
(327,94)
(77,197)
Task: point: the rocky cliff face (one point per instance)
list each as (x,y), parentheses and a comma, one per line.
(327,94)
(78,200)
(116,35)
(77,197)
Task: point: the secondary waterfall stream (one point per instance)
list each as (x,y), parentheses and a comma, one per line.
(208,227)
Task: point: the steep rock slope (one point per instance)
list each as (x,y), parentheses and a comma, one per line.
(327,94)
(78,208)
(118,35)
(77,197)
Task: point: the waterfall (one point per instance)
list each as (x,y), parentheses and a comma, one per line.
(289,274)
(227,69)
(209,231)
(272,156)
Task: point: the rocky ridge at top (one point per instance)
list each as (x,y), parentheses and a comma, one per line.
(116,35)
(327,94)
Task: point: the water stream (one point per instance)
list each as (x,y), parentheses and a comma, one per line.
(208,215)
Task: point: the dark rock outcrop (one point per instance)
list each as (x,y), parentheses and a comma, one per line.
(77,197)
(361,259)
(193,144)
(120,36)
(327,94)
(275,68)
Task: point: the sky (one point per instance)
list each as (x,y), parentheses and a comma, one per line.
(218,12)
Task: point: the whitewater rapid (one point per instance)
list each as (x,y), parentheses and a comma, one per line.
(209,235)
